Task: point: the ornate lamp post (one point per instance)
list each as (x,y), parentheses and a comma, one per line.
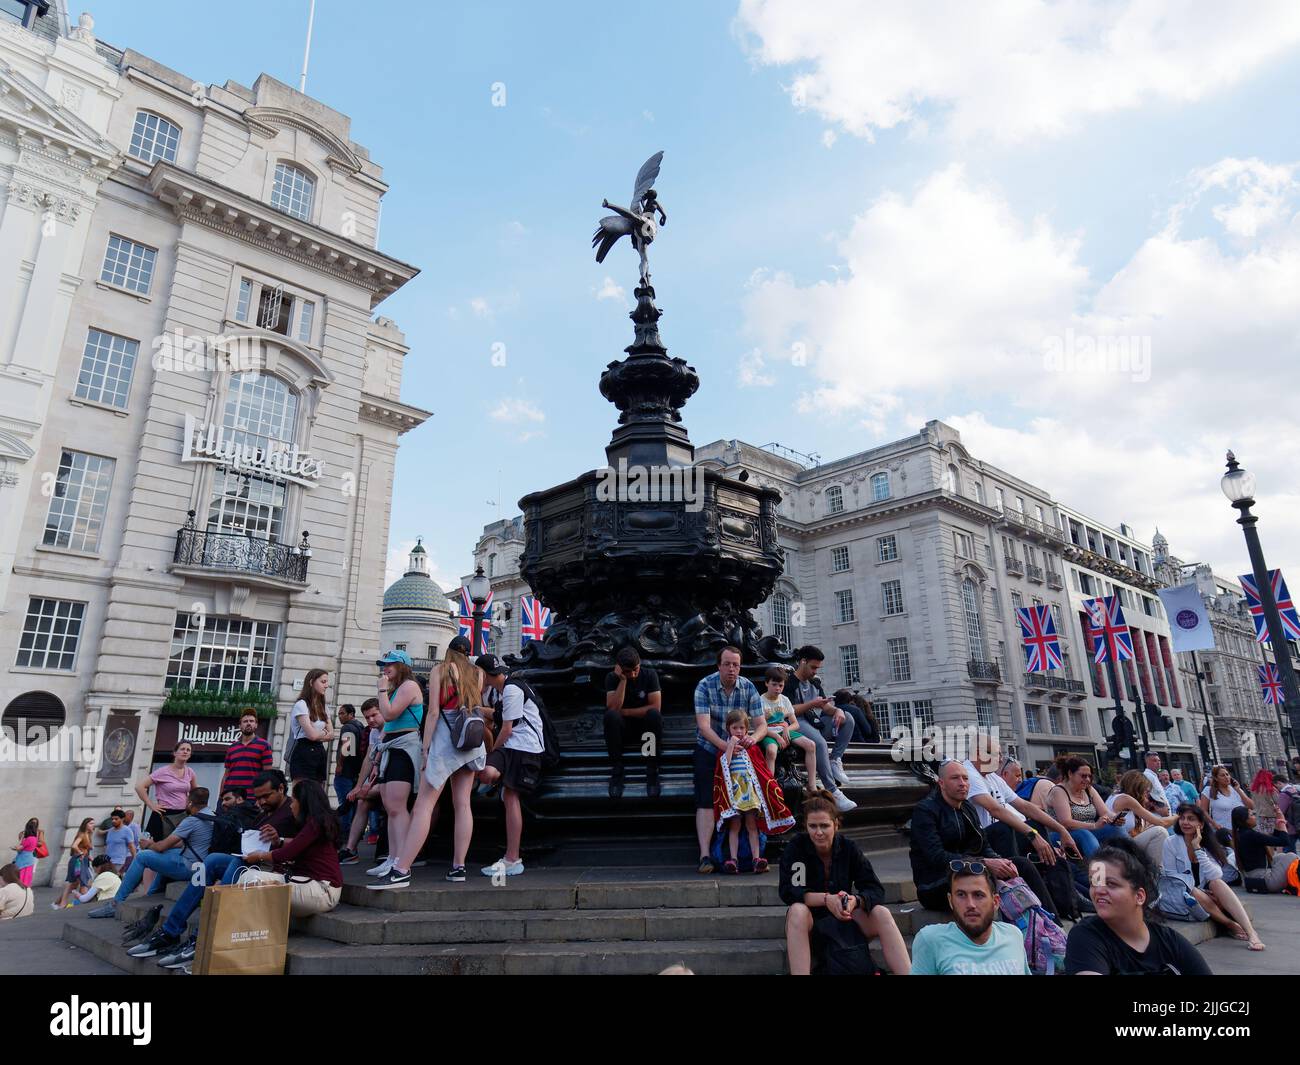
(479,589)
(1239,486)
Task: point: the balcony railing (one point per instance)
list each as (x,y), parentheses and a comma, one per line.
(1015,566)
(1047,682)
(241,553)
(1034,573)
(1016,517)
(1055,580)
(981,670)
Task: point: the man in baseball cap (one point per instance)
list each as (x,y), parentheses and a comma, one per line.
(461,644)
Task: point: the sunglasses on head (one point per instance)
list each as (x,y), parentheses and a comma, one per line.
(974,868)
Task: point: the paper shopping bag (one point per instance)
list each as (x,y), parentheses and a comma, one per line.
(244,930)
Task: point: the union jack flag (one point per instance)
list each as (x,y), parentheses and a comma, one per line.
(535,621)
(467,620)
(1108,630)
(1285,607)
(1271,683)
(1038,633)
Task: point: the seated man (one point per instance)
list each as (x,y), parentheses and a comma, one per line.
(633,714)
(974,942)
(270,792)
(821,721)
(171,858)
(946,828)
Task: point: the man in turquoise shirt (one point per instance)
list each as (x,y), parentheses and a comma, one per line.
(974,943)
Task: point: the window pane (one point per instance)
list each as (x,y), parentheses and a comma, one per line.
(224,654)
(128,265)
(293,191)
(154,138)
(76,514)
(107,365)
(43,645)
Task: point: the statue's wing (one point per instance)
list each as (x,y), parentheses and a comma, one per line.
(645,177)
(607,234)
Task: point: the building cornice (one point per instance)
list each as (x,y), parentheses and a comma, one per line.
(393,413)
(1083,556)
(222,209)
(889,508)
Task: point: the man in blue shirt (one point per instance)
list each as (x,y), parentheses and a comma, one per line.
(974,943)
(715,696)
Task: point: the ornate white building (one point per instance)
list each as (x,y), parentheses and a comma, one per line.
(210,414)
(418,616)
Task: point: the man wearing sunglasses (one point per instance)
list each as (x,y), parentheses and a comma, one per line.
(974,943)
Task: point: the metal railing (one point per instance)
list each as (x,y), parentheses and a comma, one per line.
(241,553)
(1047,682)
(1016,517)
(1014,565)
(1034,573)
(981,670)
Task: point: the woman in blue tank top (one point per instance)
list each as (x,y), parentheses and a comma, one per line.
(402,704)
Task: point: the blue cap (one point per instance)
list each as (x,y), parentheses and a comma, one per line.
(392,658)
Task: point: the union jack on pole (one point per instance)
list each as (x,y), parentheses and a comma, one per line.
(467,620)
(1285,607)
(1270,681)
(1038,633)
(1111,639)
(536,619)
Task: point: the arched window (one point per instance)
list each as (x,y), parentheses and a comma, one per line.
(154,138)
(879,487)
(970,601)
(781,618)
(834,499)
(492,565)
(952,480)
(294,191)
(260,409)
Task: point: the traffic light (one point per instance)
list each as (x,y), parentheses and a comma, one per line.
(1156,721)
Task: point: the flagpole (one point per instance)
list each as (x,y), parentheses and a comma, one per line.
(306,52)
(1205,706)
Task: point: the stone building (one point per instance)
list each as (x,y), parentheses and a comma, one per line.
(1248,733)
(418,617)
(204,506)
(497,552)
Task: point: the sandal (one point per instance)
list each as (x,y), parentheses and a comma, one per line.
(761,866)
(730,867)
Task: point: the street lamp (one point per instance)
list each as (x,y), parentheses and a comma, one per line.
(1239,486)
(479,590)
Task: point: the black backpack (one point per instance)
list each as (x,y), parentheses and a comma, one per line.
(550,741)
(229,825)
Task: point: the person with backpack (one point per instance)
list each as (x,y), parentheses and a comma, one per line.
(835,900)
(515,758)
(171,858)
(270,813)
(401,704)
(454,751)
(1119,940)
(974,942)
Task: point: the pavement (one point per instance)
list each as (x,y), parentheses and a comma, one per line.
(34,945)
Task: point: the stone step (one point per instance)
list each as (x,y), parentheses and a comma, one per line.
(308,955)
(351,924)
(104,940)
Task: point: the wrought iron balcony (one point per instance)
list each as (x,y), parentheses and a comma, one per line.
(1034,573)
(1015,566)
(1011,516)
(1055,580)
(1049,682)
(980,670)
(241,553)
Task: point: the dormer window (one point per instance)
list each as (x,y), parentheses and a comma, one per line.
(24,12)
(294,191)
(154,138)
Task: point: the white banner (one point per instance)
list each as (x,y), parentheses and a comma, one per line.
(1189,625)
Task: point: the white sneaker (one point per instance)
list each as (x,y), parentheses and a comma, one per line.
(504,868)
(383,868)
(842,802)
(837,771)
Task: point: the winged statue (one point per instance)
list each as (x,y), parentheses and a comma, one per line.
(636,221)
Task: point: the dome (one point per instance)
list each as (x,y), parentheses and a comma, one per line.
(416,590)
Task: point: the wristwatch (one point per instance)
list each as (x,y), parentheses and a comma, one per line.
(1033,831)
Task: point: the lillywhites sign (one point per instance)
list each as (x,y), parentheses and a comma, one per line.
(191,732)
(285,462)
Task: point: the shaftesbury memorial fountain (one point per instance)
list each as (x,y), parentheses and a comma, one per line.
(654,553)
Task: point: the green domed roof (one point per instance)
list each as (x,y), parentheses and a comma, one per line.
(415,591)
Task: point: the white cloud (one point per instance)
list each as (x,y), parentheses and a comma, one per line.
(751,371)
(480,307)
(951,303)
(1008,69)
(649,116)
(828,138)
(518,413)
(611,290)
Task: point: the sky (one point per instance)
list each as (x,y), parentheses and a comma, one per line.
(1068,229)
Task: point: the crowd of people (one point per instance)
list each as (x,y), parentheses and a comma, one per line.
(1012,858)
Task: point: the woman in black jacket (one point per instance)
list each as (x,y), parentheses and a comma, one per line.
(826,878)
(1251,845)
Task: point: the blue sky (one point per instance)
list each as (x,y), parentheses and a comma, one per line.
(920,195)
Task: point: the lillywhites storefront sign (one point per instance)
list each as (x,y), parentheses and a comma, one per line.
(207,735)
(285,462)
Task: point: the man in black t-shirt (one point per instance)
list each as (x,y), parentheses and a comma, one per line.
(633,714)
(352,743)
